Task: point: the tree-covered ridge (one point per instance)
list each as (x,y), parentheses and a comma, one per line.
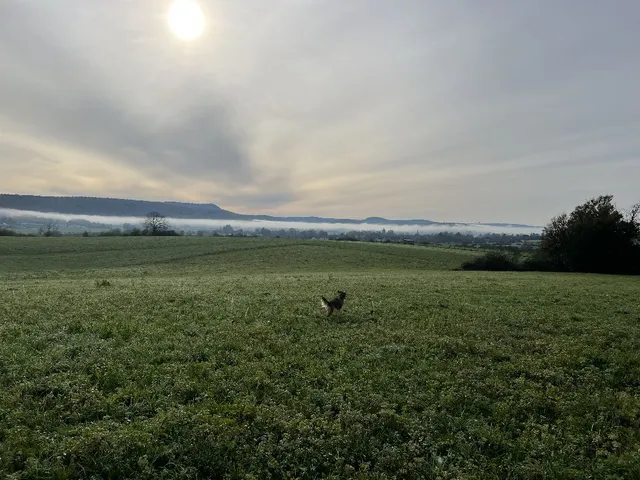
(140,208)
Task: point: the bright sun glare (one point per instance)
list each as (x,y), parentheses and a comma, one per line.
(186,19)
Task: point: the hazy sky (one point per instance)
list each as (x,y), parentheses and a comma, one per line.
(460,110)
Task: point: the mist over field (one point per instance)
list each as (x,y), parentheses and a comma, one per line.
(212,224)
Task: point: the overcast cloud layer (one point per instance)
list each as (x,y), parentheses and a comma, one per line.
(507,111)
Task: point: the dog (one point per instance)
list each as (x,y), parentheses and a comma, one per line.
(335,304)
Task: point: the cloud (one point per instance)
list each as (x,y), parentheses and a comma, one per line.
(495,111)
(191,136)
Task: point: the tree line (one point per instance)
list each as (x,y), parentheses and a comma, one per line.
(596,237)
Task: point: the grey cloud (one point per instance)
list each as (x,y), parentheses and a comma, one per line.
(51,92)
(483,102)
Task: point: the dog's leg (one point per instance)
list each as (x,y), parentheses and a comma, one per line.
(328,308)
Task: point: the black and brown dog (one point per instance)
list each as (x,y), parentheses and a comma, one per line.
(335,304)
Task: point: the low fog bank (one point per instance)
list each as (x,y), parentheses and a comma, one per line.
(250,225)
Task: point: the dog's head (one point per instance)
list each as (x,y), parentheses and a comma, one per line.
(342,294)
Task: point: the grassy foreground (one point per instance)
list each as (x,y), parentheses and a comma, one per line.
(210,358)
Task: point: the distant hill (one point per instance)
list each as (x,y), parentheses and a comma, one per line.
(139,208)
(112,207)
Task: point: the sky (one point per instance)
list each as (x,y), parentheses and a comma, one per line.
(493,111)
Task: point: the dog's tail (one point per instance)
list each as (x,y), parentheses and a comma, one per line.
(326,305)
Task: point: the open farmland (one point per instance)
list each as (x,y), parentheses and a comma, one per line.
(181,357)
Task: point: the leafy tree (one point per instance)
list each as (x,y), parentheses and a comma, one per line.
(555,241)
(596,237)
(155,224)
(634,213)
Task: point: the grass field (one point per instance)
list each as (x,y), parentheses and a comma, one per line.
(194,358)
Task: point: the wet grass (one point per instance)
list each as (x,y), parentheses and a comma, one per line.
(210,358)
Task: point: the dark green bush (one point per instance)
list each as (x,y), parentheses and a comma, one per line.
(494,261)
(538,261)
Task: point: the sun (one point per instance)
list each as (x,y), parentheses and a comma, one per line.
(186,19)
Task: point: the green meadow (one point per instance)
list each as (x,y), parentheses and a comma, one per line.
(188,357)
